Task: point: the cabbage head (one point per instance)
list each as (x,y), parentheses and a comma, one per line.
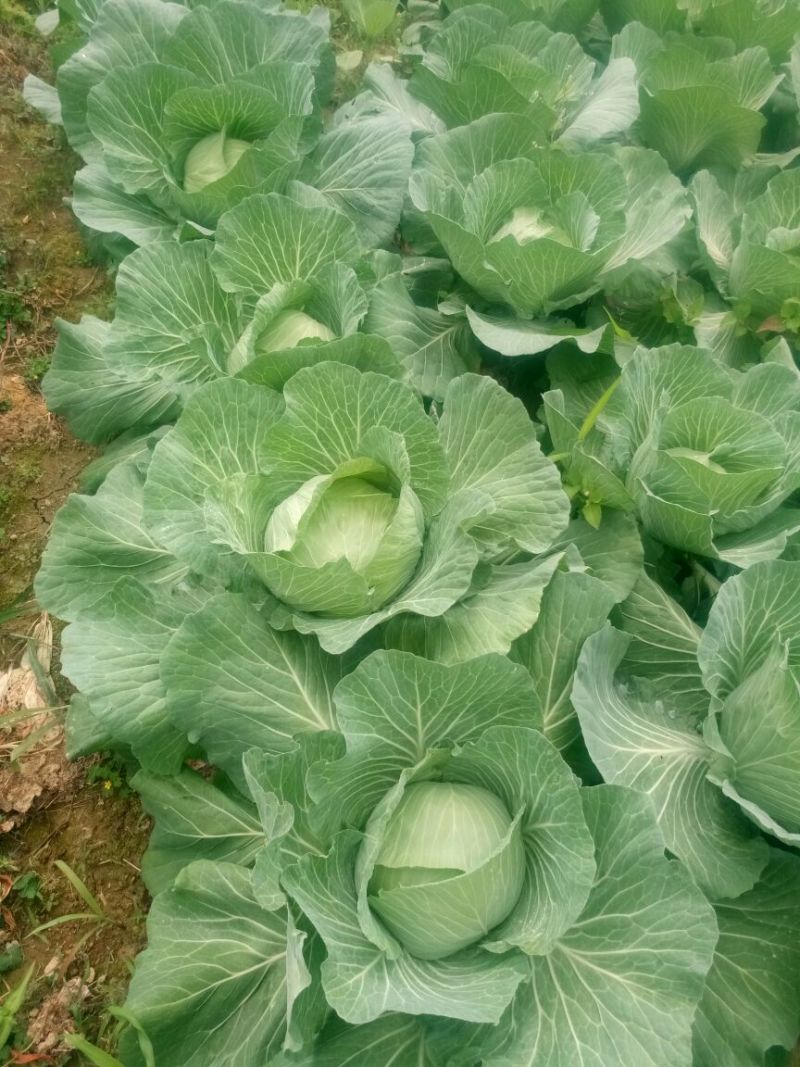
(443,841)
(433,869)
(290,328)
(210,159)
(537,229)
(353,507)
(706,455)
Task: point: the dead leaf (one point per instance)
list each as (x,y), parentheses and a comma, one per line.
(44,768)
(18,685)
(53,1018)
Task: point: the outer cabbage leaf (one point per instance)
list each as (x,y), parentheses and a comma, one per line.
(750,657)
(699,107)
(100,401)
(233,683)
(194,819)
(401,1040)
(112,655)
(172,319)
(618,986)
(751,999)
(362,168)
(98,539)
(211,943)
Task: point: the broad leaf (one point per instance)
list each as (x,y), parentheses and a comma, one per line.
(98,401)
(362,168)
(648,740)
(96,540)
(234,683)
(219,434)
(212,946)
(194,819)
(751,1000)
(112,655)
(573,607)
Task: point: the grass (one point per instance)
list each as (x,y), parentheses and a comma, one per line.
(11,1006)
(94,910)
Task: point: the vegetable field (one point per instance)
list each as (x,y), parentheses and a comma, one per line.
(430,587)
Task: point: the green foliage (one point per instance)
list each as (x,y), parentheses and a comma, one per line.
(495,677)
(28,887)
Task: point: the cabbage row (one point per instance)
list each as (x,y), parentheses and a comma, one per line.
(448,520)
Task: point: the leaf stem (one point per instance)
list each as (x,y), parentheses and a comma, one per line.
(594,414)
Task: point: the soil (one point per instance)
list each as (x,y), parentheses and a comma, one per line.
(50,810)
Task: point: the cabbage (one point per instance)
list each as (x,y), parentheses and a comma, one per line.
(211,159)
(446,843)
(290,328)
(367,531)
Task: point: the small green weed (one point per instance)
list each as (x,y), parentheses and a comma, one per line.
(28,886)
(10,1007)
(110,776)
(36,369)
(13,309)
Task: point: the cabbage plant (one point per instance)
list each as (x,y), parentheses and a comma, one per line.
(749,235)
(178,113)
(279,278)
(481,61)
(181,114)
(701,99)
(332,503)
(770,24)
(536,229)
(704,454)
(434,872)
(756,764)
(673,715)
(356,508)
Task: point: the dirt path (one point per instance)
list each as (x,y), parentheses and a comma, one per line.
(81,814)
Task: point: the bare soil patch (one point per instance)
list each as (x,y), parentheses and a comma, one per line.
(82,813)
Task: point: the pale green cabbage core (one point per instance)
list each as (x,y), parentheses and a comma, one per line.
(346,521)
(211,159)
(291,328)
(571,221)
(450,868)
(525,224)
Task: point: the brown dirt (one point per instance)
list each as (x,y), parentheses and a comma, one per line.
(43,273)
(96,827)
(39,463)
(95,834)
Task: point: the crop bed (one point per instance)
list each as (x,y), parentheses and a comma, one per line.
(436,581)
